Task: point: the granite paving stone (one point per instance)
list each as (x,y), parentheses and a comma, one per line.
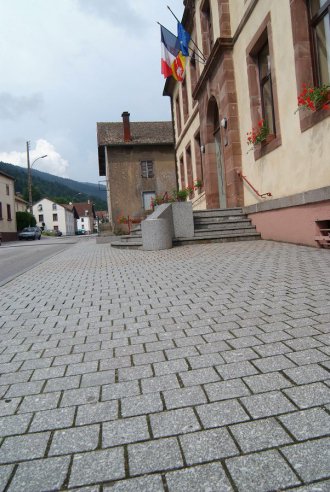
(153,456)
(58,418)
(125,431)
(275,363)
(25,447)
(184,397)
(152,483)
(309,395)
(174,422)
(14,424)
(262,471)
(311,459)
(162,368)
(260,434)
(39,402)
(40,475)
(74,440)
(160,383)
(314,422)
(139,405)
(307,374)
(5,473)
(209,445)
(120,390)
(210,478)
(237,370)
(97,412)
(267,382)
(97,466)
(221,413)
(80,396)
(224,390)
(267,404)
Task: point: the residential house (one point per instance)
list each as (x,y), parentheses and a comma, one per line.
(21,205)
(86,221)
(8,228)
(53,216)
(138,161)
(257,56)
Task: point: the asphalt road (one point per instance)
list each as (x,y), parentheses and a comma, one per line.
(19,256)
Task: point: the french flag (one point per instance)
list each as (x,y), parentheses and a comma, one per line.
(170,50)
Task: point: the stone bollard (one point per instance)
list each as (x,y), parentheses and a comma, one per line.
(156,234)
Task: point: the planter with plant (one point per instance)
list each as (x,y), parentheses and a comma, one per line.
(198,185)
(181,195)
(314,98)
(258,135)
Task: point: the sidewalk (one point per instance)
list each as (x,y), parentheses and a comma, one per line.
(201,368)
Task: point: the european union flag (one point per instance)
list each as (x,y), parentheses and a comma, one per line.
(184,38)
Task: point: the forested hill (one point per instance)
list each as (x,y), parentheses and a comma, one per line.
(61,190)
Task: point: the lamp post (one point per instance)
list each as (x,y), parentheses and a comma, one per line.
(30,172)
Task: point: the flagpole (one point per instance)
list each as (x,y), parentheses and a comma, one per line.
(193,42)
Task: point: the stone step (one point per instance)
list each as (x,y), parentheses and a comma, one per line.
(126,245)
(223,233)
(215,239)
(219,226)
(218,212)
(130,238)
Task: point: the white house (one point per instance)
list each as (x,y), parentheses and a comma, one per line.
(54,217)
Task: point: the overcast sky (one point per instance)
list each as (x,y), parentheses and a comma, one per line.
(67,64)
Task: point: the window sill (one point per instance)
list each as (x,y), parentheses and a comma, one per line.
(308,119)
(271,143)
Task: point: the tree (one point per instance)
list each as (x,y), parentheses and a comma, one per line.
(24,219)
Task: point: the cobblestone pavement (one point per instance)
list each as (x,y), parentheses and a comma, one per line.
(202,368)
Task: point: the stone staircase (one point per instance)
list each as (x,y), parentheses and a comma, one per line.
(210,226)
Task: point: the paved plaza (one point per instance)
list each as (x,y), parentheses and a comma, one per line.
(202,369)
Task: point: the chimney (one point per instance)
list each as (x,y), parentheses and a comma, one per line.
(127,128)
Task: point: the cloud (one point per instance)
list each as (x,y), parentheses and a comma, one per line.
(121,13)
(12,107)
(53,163)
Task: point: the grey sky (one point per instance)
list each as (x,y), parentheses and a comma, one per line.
(66,64)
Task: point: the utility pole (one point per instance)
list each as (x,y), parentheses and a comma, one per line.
(29,175)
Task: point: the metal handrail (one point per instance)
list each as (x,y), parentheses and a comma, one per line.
(262,195)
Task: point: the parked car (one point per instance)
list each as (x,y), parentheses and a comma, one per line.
(30,233)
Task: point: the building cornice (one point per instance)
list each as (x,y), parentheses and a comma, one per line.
(220,46)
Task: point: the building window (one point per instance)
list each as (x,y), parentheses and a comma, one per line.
(266,92)
(40,207)
(147,169)
(185,100)
(8,212)
(82,219)
(182,174)
(55,227)
(7,189)
(189,167)
(193,73)
(198,158)
(55,219)
(147,197)
(320,30)
(178,116)
(207,28)
(262,86)
(54,206)
(1,211)
(41,218)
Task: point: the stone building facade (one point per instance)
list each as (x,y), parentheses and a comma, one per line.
(8,228)
(138,161)
(257,55)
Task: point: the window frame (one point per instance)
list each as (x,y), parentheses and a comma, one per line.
(315,20)
(262,36)
(304,58)
(9,217)
(147,168)
(55,218)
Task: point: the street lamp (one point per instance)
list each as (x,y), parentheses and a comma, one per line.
(30,172)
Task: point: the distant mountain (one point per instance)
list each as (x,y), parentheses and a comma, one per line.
(62,190)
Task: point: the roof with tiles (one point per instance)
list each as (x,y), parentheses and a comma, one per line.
(142,133)
(84,209)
